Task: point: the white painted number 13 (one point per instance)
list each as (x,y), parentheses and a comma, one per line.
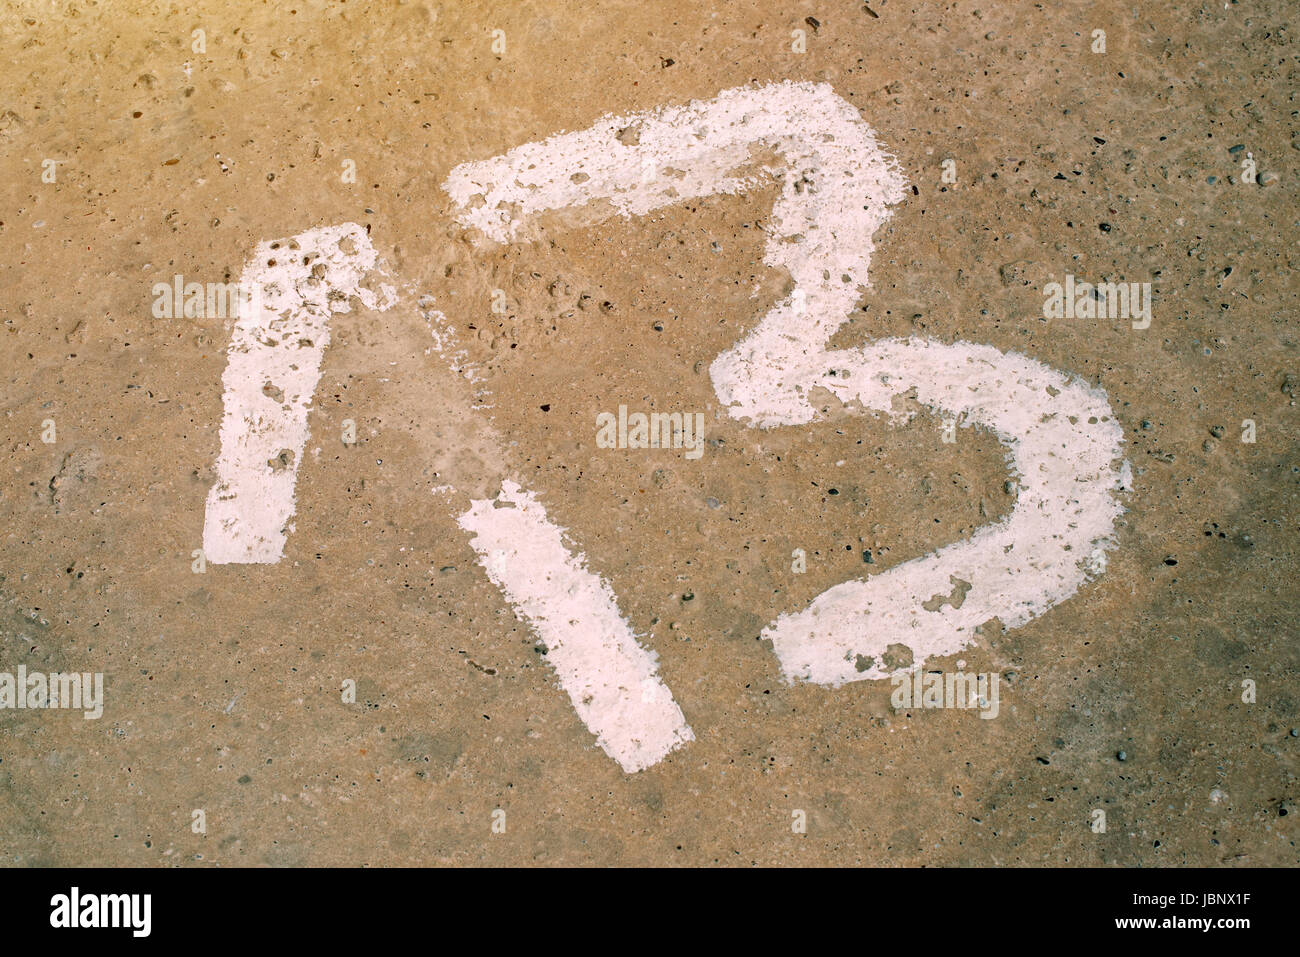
(836,187)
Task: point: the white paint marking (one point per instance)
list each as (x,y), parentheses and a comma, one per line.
(836,189)
(837,186)
(272,370)
(1018,568)
(609,676)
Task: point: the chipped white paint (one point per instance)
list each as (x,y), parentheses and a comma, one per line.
(609,676)
(446,342)
(836,189)
(1063,445)
(272,369)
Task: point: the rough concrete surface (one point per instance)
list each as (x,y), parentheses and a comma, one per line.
(1163,693)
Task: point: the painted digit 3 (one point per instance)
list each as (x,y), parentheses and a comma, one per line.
(837,185)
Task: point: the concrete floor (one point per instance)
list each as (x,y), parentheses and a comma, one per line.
(222,689)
